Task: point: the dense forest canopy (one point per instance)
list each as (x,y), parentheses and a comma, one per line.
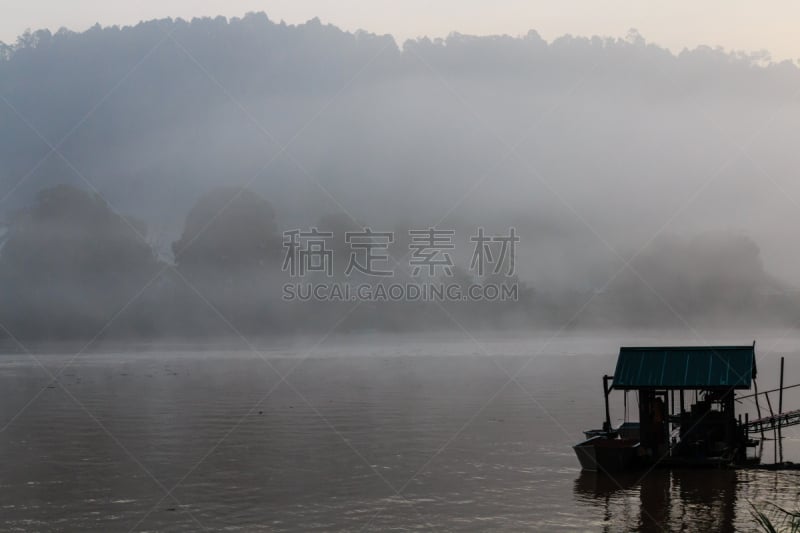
(124,153)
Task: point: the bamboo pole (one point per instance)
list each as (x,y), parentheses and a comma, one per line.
(780,412)
(758,409)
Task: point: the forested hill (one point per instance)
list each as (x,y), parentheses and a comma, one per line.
(156,114)
(595,149)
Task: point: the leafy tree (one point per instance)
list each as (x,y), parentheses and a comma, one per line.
(228,229)
(69,263)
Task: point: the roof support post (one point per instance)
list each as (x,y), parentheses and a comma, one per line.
(606,391)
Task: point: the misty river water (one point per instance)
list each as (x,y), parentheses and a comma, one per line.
(366,434)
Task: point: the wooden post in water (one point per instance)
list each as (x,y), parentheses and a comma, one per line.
(746,425)
(607,423)
(780,412)
(774,429)
(758,409)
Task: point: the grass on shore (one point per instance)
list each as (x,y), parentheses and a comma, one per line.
(772,518)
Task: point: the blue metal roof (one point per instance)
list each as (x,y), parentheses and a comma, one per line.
(685,367)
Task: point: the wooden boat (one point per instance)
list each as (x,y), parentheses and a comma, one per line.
(604,454)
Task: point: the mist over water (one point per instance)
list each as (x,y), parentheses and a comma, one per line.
(157,180)
(662,183)
(357,420)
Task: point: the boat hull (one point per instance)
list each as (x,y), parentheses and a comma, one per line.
(601,454)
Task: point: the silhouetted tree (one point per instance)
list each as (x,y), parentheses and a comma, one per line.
(228,229)
(229,252)
(69,264)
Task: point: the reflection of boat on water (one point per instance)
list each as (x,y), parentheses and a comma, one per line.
(591,485)
(660,500)
(706,433)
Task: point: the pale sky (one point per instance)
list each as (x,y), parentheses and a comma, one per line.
(676,24)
